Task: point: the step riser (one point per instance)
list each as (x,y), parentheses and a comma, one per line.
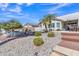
(70,34)
(68,39)
(70,44)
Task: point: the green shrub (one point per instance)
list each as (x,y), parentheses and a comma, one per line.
(46,31)
(37,33)
(51,34)
(38,41)
(58,29)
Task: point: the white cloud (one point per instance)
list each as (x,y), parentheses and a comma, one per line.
(3,6)
(20,3)
(60,5)
(55,9)
(10,15)
(17,9)
(29,4)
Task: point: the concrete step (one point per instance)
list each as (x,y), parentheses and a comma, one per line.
(70,38)
(70,33)
(64,51)
(56,53)
(70,44)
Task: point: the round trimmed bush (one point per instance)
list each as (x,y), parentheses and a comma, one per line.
(38,41)
(37,33)
(58,30)
(51,34)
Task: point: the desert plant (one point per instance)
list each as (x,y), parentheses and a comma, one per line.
(38,41)
(51,34)
(58,30)
(37,33)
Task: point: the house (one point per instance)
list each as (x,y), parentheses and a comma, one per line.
(66,22)
(70,20)
(31,27)
(36,27)
(55,25)
(28,27)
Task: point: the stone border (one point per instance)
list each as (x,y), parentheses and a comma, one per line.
(7,40)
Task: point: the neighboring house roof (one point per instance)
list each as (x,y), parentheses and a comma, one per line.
(27,24)
(31,25)
(72,16)
(35,25)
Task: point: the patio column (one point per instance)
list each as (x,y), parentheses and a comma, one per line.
(55,26)
(78,25)
(78,22)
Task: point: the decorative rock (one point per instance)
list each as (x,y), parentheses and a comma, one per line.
(24,46)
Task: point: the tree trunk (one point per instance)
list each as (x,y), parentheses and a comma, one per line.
(46,28)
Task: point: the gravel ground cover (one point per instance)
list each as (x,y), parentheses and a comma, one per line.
(24,46)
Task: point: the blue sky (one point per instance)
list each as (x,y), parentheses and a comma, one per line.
(33,12)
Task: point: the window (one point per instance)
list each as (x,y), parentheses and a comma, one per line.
(53,25)
(58,24)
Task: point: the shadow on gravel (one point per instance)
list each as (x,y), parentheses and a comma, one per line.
(16,37)
(7,41)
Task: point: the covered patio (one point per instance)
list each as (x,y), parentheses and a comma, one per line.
(70,21)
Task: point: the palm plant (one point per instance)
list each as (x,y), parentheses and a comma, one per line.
(45,22)
(48,19)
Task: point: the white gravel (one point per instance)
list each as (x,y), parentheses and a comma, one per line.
(25,47)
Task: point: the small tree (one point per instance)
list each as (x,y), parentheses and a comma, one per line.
(47,20)
(10,25)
